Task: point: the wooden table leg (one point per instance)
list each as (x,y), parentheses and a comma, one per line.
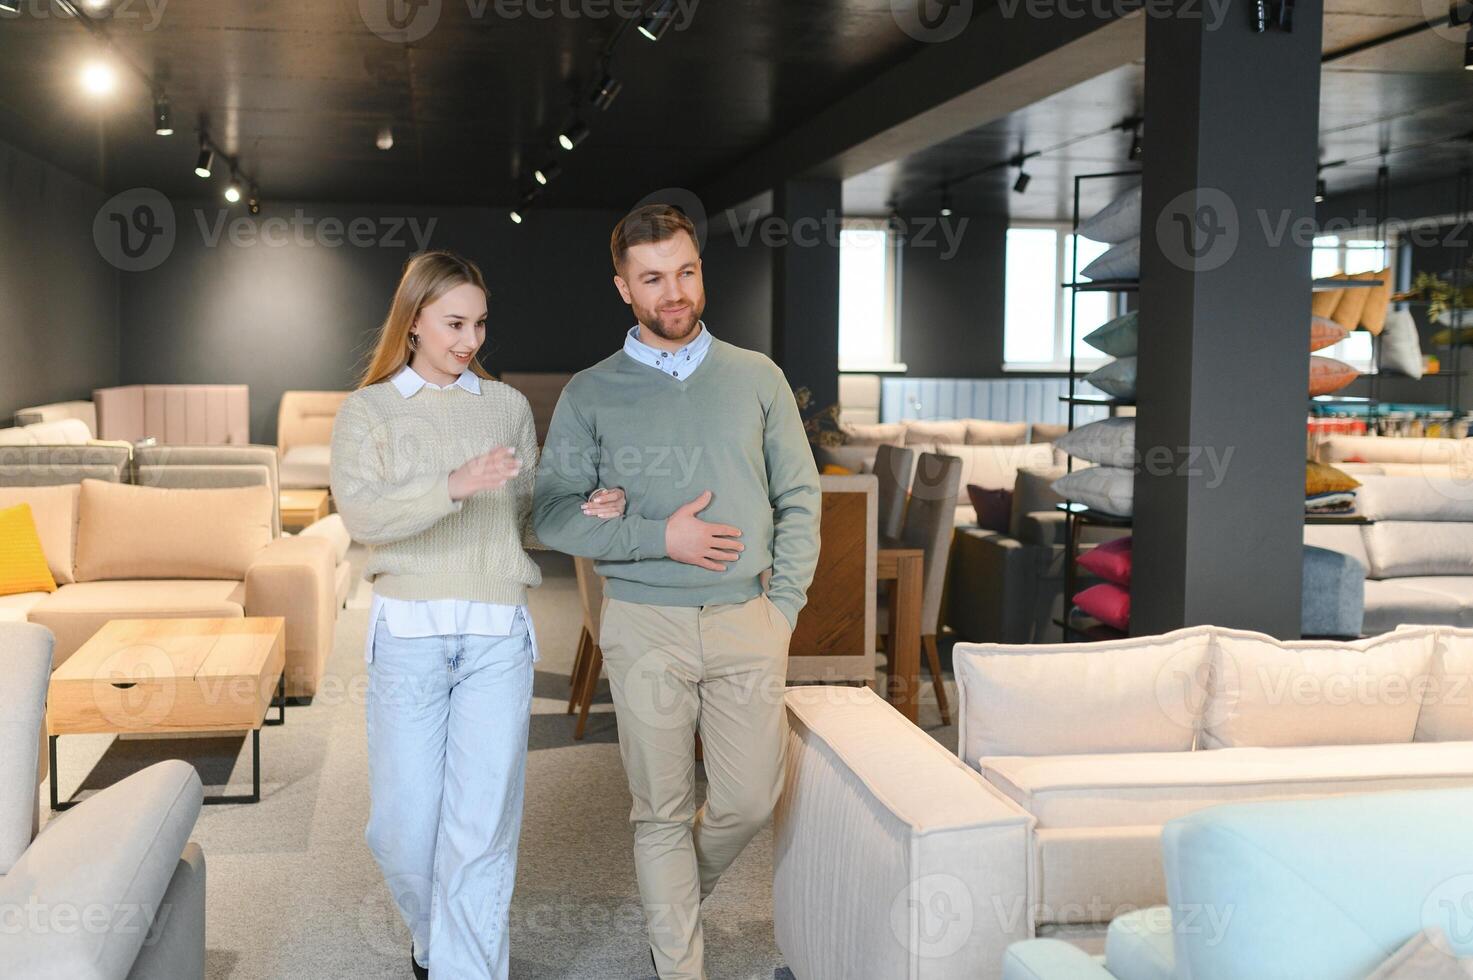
(905,667)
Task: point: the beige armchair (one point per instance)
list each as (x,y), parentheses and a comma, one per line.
(928,526)
(304,437)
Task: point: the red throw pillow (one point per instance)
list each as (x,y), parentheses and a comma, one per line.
(1109,561)
(994,507)
(1108,602)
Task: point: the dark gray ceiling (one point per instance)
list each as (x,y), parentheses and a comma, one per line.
(1399,94)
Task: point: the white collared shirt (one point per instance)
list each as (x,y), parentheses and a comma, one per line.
(442,617)
(679,364)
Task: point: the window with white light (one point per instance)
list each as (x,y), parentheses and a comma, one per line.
(868,340)
(1036,313)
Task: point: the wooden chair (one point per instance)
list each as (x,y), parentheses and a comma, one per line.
(929,525)
(834,641)
(893,466)
(589,663)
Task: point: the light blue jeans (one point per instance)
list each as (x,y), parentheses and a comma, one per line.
(447,759)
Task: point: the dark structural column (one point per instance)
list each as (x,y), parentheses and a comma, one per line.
(805,285)
(1232,142)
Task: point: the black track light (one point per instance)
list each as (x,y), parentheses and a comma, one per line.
(572,134)
(658,20)
(1021,184)
(163,116)
(206,161)
(547,174)
(1321,191)
(605,91)
(1137,148)
(253,203)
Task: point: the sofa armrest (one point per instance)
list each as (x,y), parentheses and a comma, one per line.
(295,578)
(89,888)
(1051,959)
(891,857)
(992,585)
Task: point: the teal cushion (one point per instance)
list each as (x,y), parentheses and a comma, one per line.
(1119,221)
(1118,338)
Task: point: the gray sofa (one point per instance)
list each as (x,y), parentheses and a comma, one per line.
(112,889)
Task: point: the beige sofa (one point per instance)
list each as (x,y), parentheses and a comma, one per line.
(895,858)
(304,437)
(197,415)
(1396,456)
(119,551)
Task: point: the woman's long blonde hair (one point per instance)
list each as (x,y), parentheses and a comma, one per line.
(426,278)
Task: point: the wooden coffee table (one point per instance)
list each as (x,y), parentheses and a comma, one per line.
(299,508)
(172,675)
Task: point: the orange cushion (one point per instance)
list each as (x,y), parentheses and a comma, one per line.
(22,562)
(1352,304)
(832,469)
(1325,300)
(1378,302)
(1324,332)
(1327,375)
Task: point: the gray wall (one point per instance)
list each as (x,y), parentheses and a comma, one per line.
(58,297)
(739,291)
(951,300)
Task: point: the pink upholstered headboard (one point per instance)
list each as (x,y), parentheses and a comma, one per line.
(175,415)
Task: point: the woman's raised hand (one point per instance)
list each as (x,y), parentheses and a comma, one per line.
(489,471)
(605,504)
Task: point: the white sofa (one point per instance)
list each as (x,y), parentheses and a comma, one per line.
(1419,552)
(896,858)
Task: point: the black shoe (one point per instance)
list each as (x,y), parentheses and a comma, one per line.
(420,972)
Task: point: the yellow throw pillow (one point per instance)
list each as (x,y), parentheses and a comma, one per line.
(22,562)
(1325,300)
(1322,478)
(1378,302)
(1352,303)
(831,469)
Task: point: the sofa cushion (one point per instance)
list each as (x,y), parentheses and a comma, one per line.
(1399,549)
(1447,707)
(1138,788)
(129,532)
(74,612)
(1399,602)
(990,432)
(872,433)
(1267,692)
(1139,945)
(306,468)
(1117,696)
(1033,491)
(996,467)
(1438,496)
(17,608)
(929,433)
(54,510)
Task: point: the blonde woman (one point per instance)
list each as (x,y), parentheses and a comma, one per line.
(432,468)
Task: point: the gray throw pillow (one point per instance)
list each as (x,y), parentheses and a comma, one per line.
(1109,442)
(1108,489)
(1122,261)
(1119,221)
(1116,379)
(1118,338)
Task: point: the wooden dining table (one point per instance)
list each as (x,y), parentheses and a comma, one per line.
(904,568)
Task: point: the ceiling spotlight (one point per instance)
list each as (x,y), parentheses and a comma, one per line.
(98,78)
(206,161)
(385,139)
(605,92)
(1468,51)
(516,216)
(1021,184)
(163,116)
(945,202)
(1137,149)
(572,134)
(1321,191)
(232,191)
(658,21)
(10,6)
(546,175)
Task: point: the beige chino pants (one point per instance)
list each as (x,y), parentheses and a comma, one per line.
(675,671)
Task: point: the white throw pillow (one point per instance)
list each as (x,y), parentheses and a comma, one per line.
(1118,221)
(1110,442)
(1122,261)
(931,433)
(1108,489)
(1134,695)
(1116,379)
(1401,348)
(1447,707)
(1266,692)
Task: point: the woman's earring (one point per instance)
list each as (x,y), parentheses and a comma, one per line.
(414,341)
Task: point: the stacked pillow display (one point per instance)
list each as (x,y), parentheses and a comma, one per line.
(1109,485)
(1108,602)
(1119,226)
(1328,490)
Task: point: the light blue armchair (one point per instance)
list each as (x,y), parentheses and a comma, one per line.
(112,889)
(1326,889)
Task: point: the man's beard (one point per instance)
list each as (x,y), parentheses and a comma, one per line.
(670,331)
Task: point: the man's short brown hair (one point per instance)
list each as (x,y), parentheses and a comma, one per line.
(651,223)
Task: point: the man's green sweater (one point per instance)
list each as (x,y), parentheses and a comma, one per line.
(732,428)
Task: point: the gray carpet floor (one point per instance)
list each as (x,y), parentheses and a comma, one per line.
(294,892)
